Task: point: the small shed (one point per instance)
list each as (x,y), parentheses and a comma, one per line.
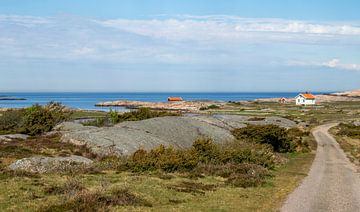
(282,100)
(305,99)
(174,99)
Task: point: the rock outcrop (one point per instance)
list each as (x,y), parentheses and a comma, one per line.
(40,164)
(179,132)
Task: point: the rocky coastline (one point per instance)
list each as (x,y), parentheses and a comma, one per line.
(176,106)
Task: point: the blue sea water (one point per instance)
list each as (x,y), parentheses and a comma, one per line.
(88,100)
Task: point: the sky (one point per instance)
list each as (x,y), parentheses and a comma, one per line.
(179,45)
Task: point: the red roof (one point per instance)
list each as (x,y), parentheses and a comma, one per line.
(175,99)
(308,96)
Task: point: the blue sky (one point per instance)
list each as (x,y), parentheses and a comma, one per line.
(159,45)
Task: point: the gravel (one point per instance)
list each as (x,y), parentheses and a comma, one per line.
(333,183)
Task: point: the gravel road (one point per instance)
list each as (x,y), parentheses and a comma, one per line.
(333,183)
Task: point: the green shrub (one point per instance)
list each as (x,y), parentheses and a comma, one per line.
(10,121)
(98,122)
(206,151)
(349,130)
(164,158)
(203,151)
(213,107)
(39,119)
(209,107)
(203,108)
(243,152)
(113,117)
(248,175)
(142,114)
(274,135)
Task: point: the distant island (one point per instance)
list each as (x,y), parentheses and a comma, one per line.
(3,98)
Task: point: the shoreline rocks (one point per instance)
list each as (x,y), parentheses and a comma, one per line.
(172,105)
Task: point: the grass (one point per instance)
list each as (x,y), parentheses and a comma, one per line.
(311,115)
(83,114)
(159,191)
(177,192)
(39,145)
(351,146)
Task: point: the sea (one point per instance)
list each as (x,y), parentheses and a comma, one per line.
(87,101)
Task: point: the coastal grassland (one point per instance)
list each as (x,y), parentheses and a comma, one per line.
(87,114)
(160,193)
(312,115)
(115,185)
(348,136)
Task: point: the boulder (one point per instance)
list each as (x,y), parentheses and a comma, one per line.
(40,164)
(13,137)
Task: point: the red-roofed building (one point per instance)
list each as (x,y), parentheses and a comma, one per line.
(305,99)
(174,99)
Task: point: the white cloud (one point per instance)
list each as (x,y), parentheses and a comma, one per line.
(200,40)
(335,63)
(189,27)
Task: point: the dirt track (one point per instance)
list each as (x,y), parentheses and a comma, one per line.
(333,183)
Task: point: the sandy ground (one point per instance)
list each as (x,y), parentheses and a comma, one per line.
(333,183)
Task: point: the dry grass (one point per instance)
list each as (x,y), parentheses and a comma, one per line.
(211,192)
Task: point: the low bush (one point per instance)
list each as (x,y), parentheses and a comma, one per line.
(203,152)
(163,158)
(248,175)
(140,114)
(239,152)
(98,201)
(209,107)
(273,135)
(349,130)
(70,187)
(113,117)
(39,119)
(10,121)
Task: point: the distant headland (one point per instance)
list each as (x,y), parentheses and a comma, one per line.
(3,98)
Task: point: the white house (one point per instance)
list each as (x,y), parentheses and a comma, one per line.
(305,99)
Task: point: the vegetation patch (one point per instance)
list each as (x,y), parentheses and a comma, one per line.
(349,130)
(281,139)
(70,187)
(348,136)
(98,201)
(209,107)
(34,120)
(193,187)
(113,117)
(42,145)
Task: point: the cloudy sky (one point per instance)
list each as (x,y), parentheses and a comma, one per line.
(179,45)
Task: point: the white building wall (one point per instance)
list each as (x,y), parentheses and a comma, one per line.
(300,100)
